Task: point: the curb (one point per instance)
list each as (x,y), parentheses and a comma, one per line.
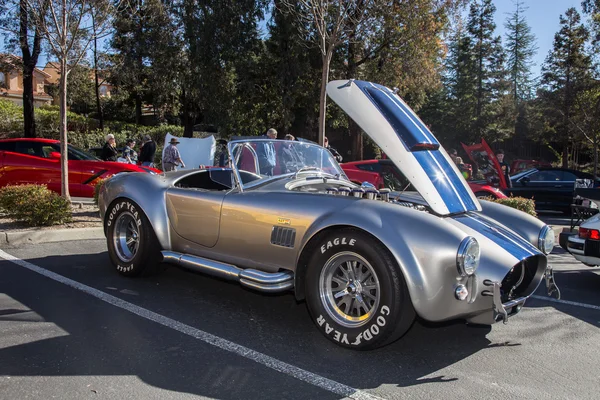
(50,235)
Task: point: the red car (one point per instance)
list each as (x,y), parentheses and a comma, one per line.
(25,160)
(383,173)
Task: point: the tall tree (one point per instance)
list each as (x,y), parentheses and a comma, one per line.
(215,37)
(30,46)
(66,26)
(399,44)
(329,23)
(286,80)
(565,73)
(520,48)
(488,59)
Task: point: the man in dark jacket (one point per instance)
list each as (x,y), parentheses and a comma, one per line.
(148,151)
(334,152)
(109,151)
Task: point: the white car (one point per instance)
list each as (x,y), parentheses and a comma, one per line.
(585,246)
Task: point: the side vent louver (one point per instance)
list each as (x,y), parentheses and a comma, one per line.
(283,236)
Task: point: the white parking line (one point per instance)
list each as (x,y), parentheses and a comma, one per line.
(567,302)
(224,344)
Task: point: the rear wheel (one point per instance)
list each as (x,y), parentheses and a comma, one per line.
(132,245)
(356,293)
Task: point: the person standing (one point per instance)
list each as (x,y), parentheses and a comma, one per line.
(171,157)
(334,152)
(147,152)
(504,166)
(109,150)
(453,155)
(129,153)
(267,158)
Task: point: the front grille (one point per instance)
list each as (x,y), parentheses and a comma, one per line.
(592,248)
(518,282)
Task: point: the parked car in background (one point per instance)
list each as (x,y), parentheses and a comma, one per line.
(366,265)
(522,165)
(25,160)
(551,188)
(383,173)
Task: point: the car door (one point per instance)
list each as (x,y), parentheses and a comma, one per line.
(563,196)
(542,185)
(32,163)
(194,207)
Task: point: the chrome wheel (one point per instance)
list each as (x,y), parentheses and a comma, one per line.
(126,237)
(349,289)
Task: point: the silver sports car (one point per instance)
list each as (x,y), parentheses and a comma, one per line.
(283,216)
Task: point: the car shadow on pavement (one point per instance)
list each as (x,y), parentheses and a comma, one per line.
(579,286)
(105,340)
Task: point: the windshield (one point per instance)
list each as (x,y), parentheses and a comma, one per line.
(261,159)
(74,153)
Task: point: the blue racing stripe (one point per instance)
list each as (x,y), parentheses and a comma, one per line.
(408,132)
(509,241)
(440,182)
(412,115)
(455,180)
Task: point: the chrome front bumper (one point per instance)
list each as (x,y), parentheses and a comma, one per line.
(502,311)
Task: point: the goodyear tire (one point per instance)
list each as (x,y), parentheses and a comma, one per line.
(132,245)
(355,292)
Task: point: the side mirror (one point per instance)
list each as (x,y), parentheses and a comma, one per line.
(55,155)
(524,180)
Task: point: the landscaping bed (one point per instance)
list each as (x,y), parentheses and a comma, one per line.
(84,216)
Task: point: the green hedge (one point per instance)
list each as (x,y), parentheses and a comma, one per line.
(11,117)
(520,203)
(35,205)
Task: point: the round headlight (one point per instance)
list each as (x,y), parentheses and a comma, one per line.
(546,240)
(467,258)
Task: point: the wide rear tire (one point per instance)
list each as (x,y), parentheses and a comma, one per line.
(132,244)
(355,291)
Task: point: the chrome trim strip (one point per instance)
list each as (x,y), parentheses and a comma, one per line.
(252,278)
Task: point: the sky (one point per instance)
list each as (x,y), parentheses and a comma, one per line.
(542,16)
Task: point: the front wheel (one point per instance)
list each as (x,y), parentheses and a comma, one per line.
(356,293)
(132,245)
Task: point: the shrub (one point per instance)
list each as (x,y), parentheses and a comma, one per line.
(35,205)
(520,203)
(11,118)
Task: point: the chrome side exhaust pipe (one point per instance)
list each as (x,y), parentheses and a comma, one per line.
(252,278)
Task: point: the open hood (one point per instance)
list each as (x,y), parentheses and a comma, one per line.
(483,157)
(408,143)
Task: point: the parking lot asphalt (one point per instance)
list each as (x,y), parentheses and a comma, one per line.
(72,328)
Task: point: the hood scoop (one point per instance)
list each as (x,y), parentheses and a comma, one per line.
(407,142)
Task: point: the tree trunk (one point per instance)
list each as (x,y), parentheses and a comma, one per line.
(565,156)
(356,138)
(138,108)
(595,156)
(98,104)
(30,58)
(28,104)
(64,160)
(323,97)
(188,121)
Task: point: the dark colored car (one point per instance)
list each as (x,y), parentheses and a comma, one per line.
(551,188)
(521,165)
(37,161)
(383,173)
